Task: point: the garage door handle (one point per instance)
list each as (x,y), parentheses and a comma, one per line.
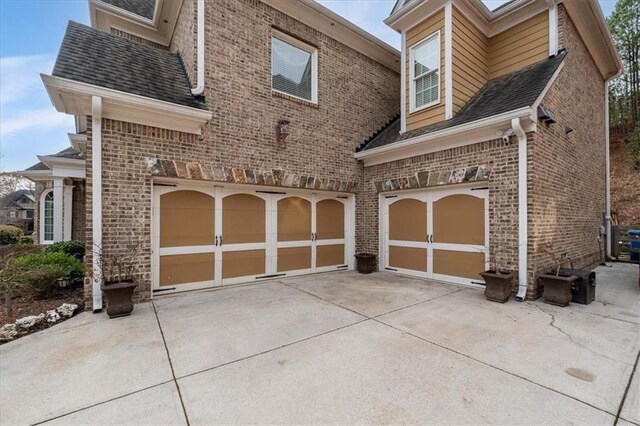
(216,243)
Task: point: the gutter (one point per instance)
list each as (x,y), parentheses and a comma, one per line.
(200,55)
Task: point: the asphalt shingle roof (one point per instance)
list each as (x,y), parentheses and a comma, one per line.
(506,93)
(65,153)
(142,8)
(94,57)
(10,198)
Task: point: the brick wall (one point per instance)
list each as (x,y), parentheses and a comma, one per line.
(185,37)
(356,95)
(78,207)
(568,198)
(137,39)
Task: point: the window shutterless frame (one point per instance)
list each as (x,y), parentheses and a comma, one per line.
(412,77)
(314,63)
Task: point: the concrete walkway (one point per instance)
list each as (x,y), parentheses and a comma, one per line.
(336,348)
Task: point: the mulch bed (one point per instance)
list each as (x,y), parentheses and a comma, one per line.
(26,306)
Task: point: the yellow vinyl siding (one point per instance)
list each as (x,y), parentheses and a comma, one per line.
(470,60)
(415,35)
(519,46)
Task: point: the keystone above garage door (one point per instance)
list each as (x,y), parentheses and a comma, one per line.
(441,234)
(205,237)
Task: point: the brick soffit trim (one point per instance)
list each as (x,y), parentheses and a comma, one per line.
(274,177)
(424,179)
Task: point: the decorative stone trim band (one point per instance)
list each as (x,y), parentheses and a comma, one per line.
(275,177)
(424,179)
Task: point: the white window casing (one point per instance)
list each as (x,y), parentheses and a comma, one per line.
(46,217)
(427,52)
(295,61)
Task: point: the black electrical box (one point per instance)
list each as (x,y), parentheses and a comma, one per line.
(583,290)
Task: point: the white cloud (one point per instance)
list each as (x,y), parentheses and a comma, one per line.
(40,119)
(20,76)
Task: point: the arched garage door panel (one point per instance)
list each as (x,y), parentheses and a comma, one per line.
(187,232)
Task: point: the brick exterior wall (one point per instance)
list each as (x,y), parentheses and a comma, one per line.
(136,39)
(185,37)
(568,198)
(356,96)
(78,218)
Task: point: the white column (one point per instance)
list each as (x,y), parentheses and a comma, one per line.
(448,61)
(58,196)
(68,212)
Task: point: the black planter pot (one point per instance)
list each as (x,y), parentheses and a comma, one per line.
(119,298)
(557,288)
(366,262)
(498,286)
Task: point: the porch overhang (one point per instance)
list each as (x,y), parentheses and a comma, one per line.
(73,97)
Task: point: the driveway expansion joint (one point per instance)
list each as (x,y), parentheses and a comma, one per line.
(173,373)
(493,366)
(626,391)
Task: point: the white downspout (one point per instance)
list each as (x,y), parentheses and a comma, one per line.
(200,46)
(96,198)
(522,210)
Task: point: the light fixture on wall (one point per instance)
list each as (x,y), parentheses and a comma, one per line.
(282,131)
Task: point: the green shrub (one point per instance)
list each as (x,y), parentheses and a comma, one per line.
(9,234)
(72,248)
(42,270)
(25,240)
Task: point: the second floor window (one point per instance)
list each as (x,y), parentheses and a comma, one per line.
(294,68)
(425,73)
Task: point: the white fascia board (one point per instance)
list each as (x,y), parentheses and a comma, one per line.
(487,22)
(105,16)
(73,97)
(78,141)
(37,175)
(327,22)
(466,134)
(64,167)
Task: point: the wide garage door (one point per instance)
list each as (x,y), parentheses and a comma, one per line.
(440,234)
(205,237)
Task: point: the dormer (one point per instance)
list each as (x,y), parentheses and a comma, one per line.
(452,48)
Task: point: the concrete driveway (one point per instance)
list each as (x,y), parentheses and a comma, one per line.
(336,348)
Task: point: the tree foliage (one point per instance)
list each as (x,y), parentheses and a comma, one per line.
(624,92)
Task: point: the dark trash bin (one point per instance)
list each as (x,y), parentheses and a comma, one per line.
(583,290)
(634,249)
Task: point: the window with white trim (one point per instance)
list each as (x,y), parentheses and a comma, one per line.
(294,68)
(47,219)
(425,73)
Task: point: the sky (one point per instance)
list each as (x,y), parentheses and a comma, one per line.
(30,35)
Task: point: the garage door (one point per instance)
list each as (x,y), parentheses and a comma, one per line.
(440,234)
(205,237)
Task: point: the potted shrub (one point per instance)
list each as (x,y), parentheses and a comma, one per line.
(366,262)
(556,284)
(118,282)
(498,282)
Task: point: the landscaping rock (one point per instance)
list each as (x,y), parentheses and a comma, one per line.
(8,332)
(53,316)
(30,321)
(67,309)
